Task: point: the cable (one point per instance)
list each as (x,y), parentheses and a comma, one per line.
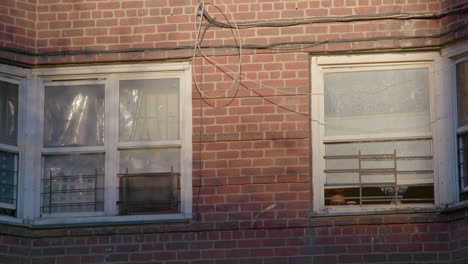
(354,18)
(197,49)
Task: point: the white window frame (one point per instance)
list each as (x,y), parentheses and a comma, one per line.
(17,76)
(109,75)
(452,56)
(441,125)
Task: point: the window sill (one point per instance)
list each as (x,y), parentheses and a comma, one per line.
(347,211)
(445,209)
(96,221)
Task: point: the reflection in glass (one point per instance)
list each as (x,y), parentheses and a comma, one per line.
(149,160)
(149,110)
(462,90)
(8,113)
(74,115)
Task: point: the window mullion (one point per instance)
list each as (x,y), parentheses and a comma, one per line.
(186,138)
(111,128)
(31,145)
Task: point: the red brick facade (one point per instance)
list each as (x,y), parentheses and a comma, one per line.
(252,158)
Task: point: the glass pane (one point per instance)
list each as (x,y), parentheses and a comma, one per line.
(8,176)
(369,172)
(463,160)
(73,183)
(402,148)
(462,88)
(149,160)
(377,102)
(8,113)
(149,110)
(74,115)
(386,195)
(149,181)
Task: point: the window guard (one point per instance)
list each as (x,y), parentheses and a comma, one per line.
(140,193)
(391,191)
(50,192)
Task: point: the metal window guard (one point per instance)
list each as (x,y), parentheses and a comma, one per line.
(393,192)
(8,185)
(53,205)
(146,193)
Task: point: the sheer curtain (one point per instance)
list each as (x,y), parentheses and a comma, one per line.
(8,113)
(149,110)
(74,115)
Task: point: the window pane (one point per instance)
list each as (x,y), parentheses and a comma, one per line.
(463,160)
(73,183)
(149,160)
(376,102)
(149,181)
(8,176)
(462,88)
(74,115)
(370,172)
(8,113)
(149,110)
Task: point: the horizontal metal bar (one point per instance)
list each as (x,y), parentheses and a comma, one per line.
(387,197)
(144,188)
(417,199)
(73,191)
(378,157)
(73,149)
(73,177)
(374,171)
(357,185)
(416,172)
(8,184)
(360,170)
(2,170)
(146,202)
(147,174)
(377,138)
(73,204)
(380,184)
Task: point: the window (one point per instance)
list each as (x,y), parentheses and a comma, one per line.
(9,151)
(373,132)
(110,144)
(461,79)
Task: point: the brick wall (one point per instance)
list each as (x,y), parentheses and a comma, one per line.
(426,238)
(252,159)
(91,29)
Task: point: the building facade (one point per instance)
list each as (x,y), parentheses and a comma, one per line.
(189,132)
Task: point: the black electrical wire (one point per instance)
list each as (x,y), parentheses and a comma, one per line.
(272,46)
(257,93)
